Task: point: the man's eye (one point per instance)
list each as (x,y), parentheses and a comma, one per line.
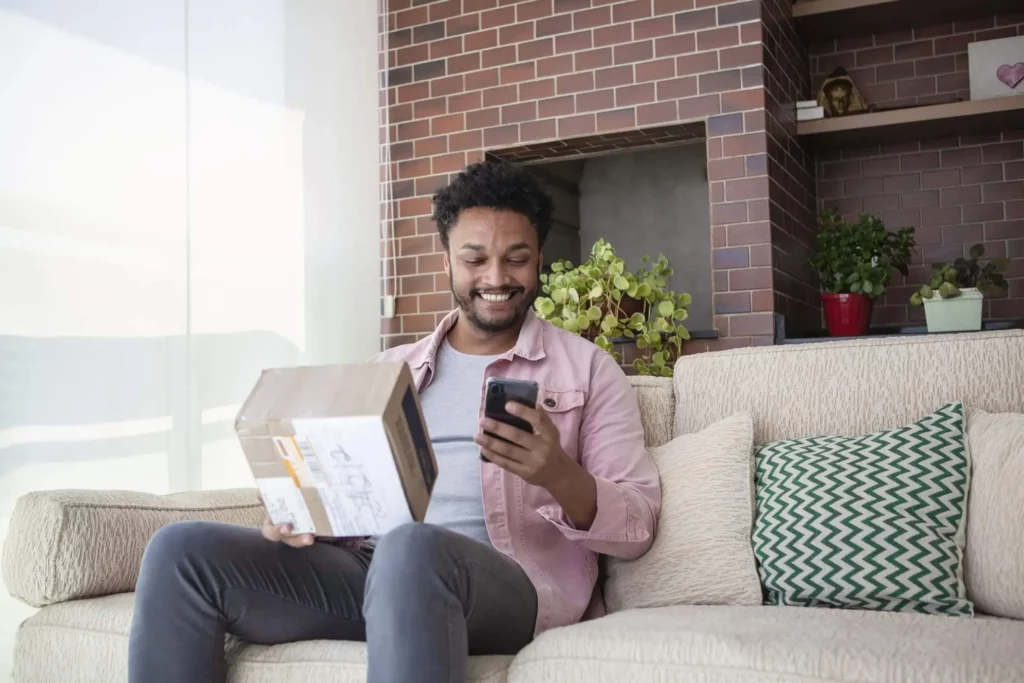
(518,262)
(474,262)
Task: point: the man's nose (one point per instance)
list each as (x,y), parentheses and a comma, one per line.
(496,274)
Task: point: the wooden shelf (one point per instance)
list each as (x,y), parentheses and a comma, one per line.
(915,123)
(821,20)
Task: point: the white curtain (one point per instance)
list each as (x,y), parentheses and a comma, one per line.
(188,195)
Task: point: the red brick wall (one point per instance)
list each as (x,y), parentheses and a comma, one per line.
(916,66)
(791,171)
(469,76)
(956,191)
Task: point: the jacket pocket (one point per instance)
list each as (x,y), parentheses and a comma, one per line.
(565,408)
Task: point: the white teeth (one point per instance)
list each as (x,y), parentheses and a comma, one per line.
(496,298)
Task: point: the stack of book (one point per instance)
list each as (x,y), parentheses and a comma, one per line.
(809,110)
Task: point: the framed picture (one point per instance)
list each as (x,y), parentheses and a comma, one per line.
(996,67)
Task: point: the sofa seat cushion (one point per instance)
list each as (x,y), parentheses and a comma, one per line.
(722,644)
(86,641)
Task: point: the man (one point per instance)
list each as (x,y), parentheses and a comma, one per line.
(510,543)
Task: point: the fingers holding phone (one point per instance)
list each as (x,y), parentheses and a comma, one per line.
(500,391)
(519,437)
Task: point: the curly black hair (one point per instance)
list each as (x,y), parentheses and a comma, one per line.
(494,185)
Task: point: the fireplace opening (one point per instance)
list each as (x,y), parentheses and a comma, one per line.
(642,199)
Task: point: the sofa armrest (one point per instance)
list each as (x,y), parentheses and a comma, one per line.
(64,545)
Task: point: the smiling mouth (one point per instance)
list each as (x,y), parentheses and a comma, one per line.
(496,297)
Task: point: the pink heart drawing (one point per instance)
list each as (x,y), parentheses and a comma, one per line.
(1011,75)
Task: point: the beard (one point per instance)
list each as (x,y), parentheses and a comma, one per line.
(469,303)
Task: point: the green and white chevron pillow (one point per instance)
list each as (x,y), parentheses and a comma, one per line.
(868,522)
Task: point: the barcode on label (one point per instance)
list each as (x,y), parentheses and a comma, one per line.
(309,456)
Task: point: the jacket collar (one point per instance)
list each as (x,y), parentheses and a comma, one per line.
(529,346)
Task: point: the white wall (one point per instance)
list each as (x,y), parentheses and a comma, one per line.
(188,194)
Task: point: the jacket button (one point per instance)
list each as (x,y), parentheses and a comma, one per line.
(549,402)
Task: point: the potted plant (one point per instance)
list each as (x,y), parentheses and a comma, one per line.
(854,262)
(603,301)
(952,298)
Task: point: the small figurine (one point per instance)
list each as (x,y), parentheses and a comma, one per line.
(839,96)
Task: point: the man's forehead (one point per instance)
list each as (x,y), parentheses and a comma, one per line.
(477,246)
(483,215)
(504,230)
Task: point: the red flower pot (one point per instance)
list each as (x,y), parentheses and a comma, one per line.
(847,315)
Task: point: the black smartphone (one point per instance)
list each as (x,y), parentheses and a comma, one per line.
(498,392)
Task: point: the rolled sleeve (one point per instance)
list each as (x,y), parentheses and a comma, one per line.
(613,506)
(612,450)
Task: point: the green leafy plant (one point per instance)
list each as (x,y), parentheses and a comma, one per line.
(859,257)
(603,301)
(950,278)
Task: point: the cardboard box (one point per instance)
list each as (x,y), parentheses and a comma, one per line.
(339,450)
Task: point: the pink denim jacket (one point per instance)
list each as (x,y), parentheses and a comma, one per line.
(597,414)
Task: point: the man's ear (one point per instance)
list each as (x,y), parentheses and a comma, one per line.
(447,264)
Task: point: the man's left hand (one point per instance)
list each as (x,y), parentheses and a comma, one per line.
(535,457)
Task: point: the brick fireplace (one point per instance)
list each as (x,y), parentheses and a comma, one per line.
(528,79)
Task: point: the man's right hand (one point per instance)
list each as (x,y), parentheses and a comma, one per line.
(279,532)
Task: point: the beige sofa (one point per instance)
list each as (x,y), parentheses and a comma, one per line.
(76,553)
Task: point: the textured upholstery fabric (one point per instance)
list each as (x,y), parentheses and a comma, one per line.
(657,407)
(64,545)
(715,644)
(995,514)
(702,644)
(86,641)
(850,387)
(702,553)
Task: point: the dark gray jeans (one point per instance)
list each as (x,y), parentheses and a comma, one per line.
(423,600)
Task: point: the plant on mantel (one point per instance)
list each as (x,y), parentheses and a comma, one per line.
(964,273)
(854,263)
(952,299)
(604,302)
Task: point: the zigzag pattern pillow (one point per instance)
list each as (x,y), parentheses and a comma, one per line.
(870,522)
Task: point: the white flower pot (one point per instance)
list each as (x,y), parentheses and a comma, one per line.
(959,314)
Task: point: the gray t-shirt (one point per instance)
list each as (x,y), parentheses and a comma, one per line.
(451,407)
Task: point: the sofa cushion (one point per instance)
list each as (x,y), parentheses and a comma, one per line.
(70,544)
(866,522)
(86,641)
(855,386)
(717,644)
(701,553)
(657,407)
(994,567)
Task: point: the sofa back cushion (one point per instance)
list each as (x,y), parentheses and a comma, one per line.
(850,387)
(657,407)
